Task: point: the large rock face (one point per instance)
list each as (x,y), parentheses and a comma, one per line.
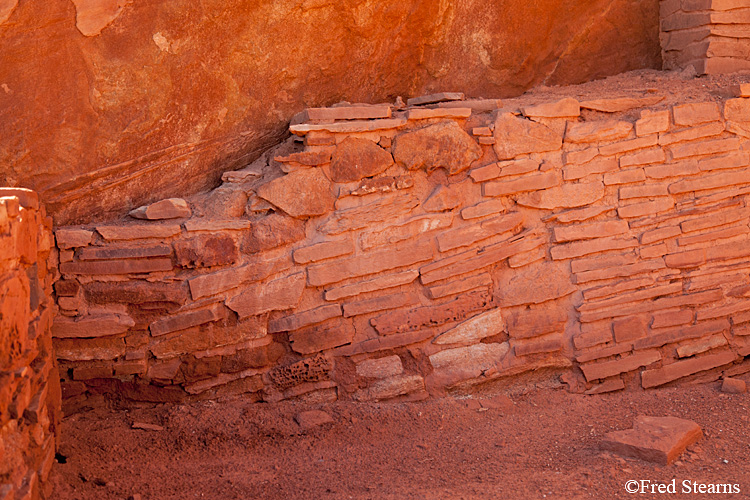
(137,101)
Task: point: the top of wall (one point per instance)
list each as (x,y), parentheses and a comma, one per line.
(104,109)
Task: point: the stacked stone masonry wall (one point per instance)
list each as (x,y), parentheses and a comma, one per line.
(712,36)
(29,380)
(397,252)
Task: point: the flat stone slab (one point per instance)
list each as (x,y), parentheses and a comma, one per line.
(654,439)
(313,418)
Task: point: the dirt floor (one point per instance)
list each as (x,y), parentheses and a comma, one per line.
(533,443)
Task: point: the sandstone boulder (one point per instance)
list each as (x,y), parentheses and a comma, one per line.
(515,136)
(356,158)
(302,193)
(443,145)
(654,439)
(171,208)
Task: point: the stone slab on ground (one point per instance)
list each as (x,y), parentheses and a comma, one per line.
(313,418)
(654,439)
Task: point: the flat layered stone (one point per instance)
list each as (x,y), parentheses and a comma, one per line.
(171,208)
(96,325)
(435,98)
(73,238)
(618,104)
(473,329)
(551,281)
(139,231)
(388,366)
(654,439)
(188,319)
(565,196)
(277,295)
(117,266)
(107,253)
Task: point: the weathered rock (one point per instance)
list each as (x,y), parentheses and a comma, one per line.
(322,336)
(474,329)
(302,193)
(443,145)
(99,325)
(385,367)
(564,108)
(205,250)
(356,158)
(466,363)
(565,196)
(272,231)
(277,295)
(733,386)
(72,238)
(654,439)
(550,281)
(516,136)
(171,208)
(389,388)
(313,418)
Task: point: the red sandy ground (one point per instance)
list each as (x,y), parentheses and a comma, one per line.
(545,444)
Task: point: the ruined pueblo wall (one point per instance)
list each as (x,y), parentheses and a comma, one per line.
(108,104)
(29,380)
(712,36)
(396,253)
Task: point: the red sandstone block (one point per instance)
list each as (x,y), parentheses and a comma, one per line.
(701,346)
(679,169)
(602,262)
(67,288)
(277,295)
(597,166)
(355,112)
(385,343)
(598,371)
(704,148)
(188,319)
(713,236)
(619,104)
(580,248)
(709,182)
(564,108)
(643,191)
(130,266)
(597,131)
(654,439)
(92,372)
(435,98)
(680,369)
(579,194)
(307,158)
(737,110)
(664,319)
(631,328)
(483,209)
(349,126)
(99,325)
(653,251)
(481,131)
(683,20)
(322,251)
(631,297)
(625,176)
(381,303)
(73,238)
(467,235)
(138,231)
(474,260)
(690,114)
(504,169)
(690,258)
(653,305)
(728,251)
(459,286)
(733,160)
(108,253)
(652,122)
(407,230)
(660,234)
(617,288)
(534,322)
(621,271)
(304,318)
(681,333)
(548,343)
(581,156)
(692,134)
(322,337)
(724,310)
(425,114)
(646,208)
(647,157)
(713,220)
(590,230)
(578,215)
(369,263)
(415,319)
(631,145)
(593,335)
(527,183)
(380,283)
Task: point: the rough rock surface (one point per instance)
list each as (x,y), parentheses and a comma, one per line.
(138,101)
(655,439)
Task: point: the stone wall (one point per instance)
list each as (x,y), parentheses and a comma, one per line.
(107,104)
(712,36)
(398,252)
(29,380)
